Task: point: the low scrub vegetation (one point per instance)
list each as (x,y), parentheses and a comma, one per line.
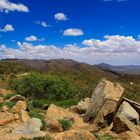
(8,104)
(41,86)
(66,123)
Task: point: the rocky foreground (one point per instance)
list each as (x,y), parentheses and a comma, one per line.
(106,113)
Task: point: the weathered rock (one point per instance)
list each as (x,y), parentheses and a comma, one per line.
(55,113)
(1,99)
(16,98)
(128,111)
(17,130)
(6,118)
(74,135)
(135,105)
(31,127)
(122,124)
(4,108)
(82,106)
(24,116)
(20,105)
(105,101)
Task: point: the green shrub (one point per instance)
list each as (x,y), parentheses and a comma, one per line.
(43,86)
(38,103)
(8,104)
(63,103)
(96,136)
(66,123)
(12,68)
(8,96)
(108,137)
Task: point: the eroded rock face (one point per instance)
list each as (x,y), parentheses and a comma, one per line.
(20,105)
(74,135)
(128,111)
(105,100)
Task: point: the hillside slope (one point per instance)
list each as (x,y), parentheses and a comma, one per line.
(83,75)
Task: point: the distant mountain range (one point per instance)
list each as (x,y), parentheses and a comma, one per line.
(68,64)
(127,69)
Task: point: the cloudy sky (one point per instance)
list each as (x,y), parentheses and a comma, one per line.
(92,31)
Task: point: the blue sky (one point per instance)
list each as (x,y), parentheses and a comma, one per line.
(92,31)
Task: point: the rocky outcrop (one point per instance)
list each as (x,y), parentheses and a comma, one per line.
(74,135)
(105,101)
(128,111)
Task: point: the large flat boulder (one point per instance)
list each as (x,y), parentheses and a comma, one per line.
(32,127)
(105,100)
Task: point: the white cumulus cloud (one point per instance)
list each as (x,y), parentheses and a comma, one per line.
(43,24)
(114,43)
(31,38)
(7,28)
(6,6)
(60,16)
(118,49)
(73,32)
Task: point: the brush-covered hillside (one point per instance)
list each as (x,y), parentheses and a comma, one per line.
(83,77)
